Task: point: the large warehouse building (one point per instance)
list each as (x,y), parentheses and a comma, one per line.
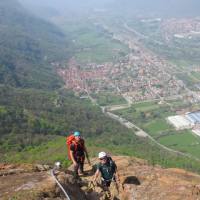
(188,121)
(194,117)
(179,122)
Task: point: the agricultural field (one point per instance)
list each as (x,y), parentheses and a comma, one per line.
(178,103)
(98,48)
(93,44)
(184,141)
(105,99)
(156,127)
(146,106)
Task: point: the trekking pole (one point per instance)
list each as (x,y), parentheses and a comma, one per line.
(88,160)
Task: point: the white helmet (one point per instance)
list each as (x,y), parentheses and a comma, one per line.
(102,154)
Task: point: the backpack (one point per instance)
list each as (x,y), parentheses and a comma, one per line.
(71,140)
(112,163)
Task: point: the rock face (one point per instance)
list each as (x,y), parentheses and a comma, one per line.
(139,182)
(35,183)
(143,182)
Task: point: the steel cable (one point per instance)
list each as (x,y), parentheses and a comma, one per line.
(61,187)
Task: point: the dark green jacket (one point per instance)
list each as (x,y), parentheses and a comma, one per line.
(108,169)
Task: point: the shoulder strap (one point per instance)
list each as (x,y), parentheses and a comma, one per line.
(76,144)
(110,160)
(112,164)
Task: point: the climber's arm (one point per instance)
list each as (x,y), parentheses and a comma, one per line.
(96,175)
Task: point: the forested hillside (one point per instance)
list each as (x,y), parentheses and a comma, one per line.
(30,115)
(28,46)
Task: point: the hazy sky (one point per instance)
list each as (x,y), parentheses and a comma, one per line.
(166,7)
(63,4)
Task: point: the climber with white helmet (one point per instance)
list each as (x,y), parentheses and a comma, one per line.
(107,169)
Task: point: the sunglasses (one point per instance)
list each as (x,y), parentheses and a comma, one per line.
(103,158)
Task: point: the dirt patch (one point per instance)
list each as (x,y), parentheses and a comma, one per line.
(16,182)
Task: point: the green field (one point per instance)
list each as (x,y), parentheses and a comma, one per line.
(105,99)
(157,126)
(183,141)
(98,47)
(93,43)
(146,106)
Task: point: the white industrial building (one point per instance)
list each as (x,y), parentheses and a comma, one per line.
(179,122)
(193,117)
(190,120)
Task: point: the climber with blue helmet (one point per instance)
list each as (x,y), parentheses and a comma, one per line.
(77,152)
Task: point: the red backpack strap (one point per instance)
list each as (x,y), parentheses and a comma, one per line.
(69,141)
(75,145)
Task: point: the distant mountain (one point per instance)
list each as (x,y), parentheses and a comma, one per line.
(27,46)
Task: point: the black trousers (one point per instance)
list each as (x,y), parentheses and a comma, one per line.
(80,164)
(106,183)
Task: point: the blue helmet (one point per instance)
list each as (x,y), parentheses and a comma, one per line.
(77,133)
